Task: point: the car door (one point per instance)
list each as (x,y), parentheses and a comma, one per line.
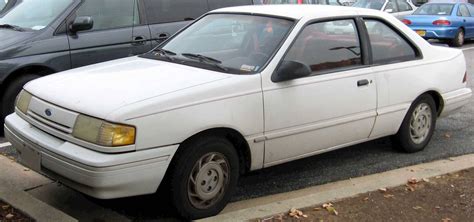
(467,20)
(166,17)
(392,8)
(117,32)
(332,107)
(404,9)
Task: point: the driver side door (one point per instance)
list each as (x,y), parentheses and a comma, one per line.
(334,106)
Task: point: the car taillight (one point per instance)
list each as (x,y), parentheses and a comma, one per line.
(464,80)
(406,22)
(442,22)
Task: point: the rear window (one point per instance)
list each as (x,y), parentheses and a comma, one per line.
(434,9)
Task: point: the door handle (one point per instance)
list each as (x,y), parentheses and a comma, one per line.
(163,36)
(138,40)
(362,82)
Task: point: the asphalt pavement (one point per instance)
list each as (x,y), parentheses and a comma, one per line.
(454,136)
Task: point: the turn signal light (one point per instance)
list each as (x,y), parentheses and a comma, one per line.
(464,80)
(406,22)
(442,22)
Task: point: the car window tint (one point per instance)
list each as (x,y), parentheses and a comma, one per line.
(471,9)
(162,11)
(403,6)
(110,14)
(463,11)
(215,4)
(391,5)
(387,45)
(434,9)
(327,46)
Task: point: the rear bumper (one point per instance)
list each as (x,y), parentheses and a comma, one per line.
(100,175)
(437,32)
(454,100)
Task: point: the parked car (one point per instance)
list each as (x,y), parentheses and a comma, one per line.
(299,2)
(38,38)
(447,21)
(240,89)
(398,8)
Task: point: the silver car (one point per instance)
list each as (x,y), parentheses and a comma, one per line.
(398,8)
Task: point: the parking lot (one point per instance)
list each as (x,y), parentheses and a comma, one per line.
(453,137)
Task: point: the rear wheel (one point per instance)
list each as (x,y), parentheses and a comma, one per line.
(9,96)
(203,177)
(458,40)
(418,125)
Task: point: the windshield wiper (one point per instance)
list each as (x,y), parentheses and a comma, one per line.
(164,53)
(13,27)
(206,59)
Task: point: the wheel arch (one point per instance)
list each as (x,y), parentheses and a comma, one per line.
(439,102)
(235,137)
(39,69)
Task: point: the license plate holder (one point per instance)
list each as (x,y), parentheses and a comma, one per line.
(30,158)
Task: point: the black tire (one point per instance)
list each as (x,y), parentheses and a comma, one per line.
(182,167)
(404,140)
(9,96)
(458,40)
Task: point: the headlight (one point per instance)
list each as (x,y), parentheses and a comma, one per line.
(103,133)
(23,101)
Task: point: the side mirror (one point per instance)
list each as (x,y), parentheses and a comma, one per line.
(389,10)
(81,24)
(289,70)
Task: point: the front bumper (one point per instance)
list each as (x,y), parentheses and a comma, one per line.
(433,32)
(100,175)
(455,100)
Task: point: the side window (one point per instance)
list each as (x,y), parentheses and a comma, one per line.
(110,14)
(391,5)
(463,11)
(471,9)
(327,46)
(387,45)
(163,11)
(215,4)
(403,6)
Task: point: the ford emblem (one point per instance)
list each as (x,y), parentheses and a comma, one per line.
(48,112)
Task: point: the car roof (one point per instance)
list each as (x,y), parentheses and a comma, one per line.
(294,11)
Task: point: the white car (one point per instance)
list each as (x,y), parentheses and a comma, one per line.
(397,8)
(240,89)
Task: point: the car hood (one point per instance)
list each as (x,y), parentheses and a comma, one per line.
(10,37)
(100,89)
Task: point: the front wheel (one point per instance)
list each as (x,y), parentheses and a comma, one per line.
(418,125)
(204,177)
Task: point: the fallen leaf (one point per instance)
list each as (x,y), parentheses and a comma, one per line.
(317,209)
(9,216)
(452,186)
(438,177)
(462,195)
(366,199)
(447,135)
(412,170)
(412,181)
(332,210)
(305,216)
(5,207)
(438,207)
(417,207)
(389,196)
(446,219)
(452,159)
(326,205)
(26,169)
(426,180)
(383,190)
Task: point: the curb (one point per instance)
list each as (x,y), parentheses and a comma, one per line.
(279,203)
(14,180)
(32,206)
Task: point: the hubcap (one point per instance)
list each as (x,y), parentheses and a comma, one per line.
(420,123)
(461,38)
(208,180)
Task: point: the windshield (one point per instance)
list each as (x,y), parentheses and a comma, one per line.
(434,9)
(238,43)
(34,14)
(371,4)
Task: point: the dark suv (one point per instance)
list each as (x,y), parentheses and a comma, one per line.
(38,38)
